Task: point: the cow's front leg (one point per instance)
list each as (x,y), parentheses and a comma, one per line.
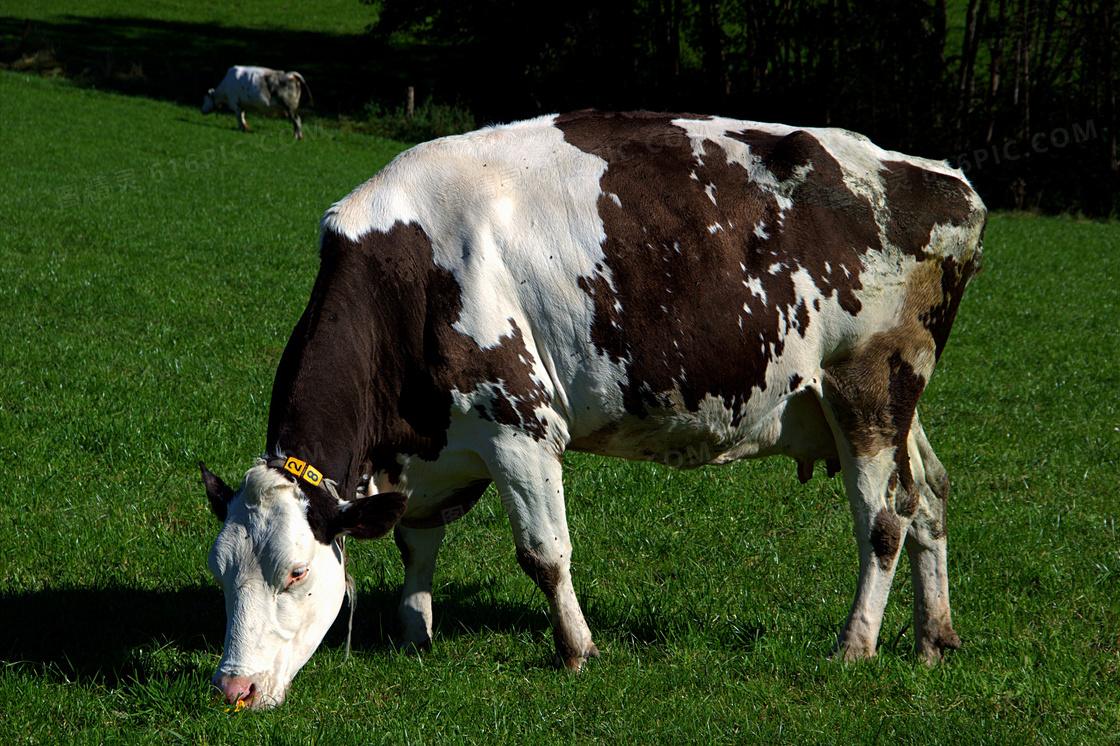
(241,123)
(418,547)
(533,496)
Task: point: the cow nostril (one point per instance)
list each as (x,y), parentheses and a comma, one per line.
(235,690)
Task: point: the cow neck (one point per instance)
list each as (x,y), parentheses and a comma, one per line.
(320,396)
(335,398)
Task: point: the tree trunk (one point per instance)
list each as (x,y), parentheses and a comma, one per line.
(939,30)
(995,51)
(1026,59)
(711,40)
(1110,72)
(966,86)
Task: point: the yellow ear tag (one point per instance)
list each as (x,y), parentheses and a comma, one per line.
(295,466)
(313,476)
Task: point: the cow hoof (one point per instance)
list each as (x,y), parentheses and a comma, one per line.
(932,650)
(575,663)
(853,653)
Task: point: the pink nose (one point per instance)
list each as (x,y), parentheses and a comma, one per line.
(235,688)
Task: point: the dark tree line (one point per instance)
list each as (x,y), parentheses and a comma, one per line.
(1022,94)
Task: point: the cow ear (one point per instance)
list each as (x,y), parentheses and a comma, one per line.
(372,517)
(217,491)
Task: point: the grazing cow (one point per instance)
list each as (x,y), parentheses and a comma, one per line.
(634,285)
(258,88)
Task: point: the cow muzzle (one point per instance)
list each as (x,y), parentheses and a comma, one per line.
(247,691)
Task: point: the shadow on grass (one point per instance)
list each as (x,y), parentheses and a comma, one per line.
(92,635)
(109,636)
(473,609)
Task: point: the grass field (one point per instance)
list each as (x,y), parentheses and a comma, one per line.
(152,264)
(321,16)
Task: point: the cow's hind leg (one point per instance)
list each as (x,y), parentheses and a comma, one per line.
(871,399)
(528,479)
(926,547)
(879,532)
(418,547)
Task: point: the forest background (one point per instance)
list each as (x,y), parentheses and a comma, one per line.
(1020,94)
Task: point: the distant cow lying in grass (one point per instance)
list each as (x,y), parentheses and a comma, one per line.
(259,88)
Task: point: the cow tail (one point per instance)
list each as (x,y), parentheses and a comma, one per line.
(304,88)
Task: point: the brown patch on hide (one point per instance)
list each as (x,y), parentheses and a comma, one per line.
(670,297)
(905,388)
(886,537)
(546,576)
(918,199)
(938,317)
(875,389)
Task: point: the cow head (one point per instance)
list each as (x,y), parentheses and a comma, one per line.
(208,104)
(283,581)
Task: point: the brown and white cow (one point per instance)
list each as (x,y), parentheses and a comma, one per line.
(635,285)
(258,88)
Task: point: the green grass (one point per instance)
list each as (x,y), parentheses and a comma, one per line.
(321,16)
(152,264)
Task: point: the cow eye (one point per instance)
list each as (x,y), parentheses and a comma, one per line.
(297,575)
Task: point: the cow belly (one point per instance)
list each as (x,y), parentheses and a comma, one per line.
(441,491)
(446,510)
(794,426)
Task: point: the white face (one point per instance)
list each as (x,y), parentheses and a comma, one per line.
(283,589)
